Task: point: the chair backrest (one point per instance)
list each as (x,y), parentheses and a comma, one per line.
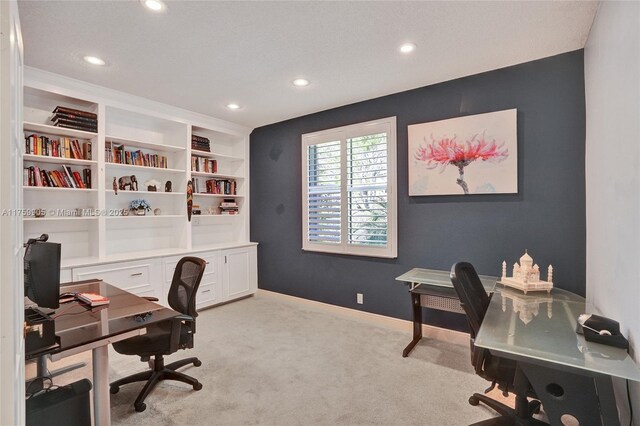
(473,297)
(184,285)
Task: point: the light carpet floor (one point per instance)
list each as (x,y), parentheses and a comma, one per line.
(267,361)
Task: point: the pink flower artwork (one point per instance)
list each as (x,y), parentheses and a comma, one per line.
(444,151)
(470,155)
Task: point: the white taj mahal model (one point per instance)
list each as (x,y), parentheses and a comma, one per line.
(526,276)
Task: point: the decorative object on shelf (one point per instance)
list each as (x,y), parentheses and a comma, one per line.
(139,207)
(526,276)
(115,185)
(167,186)
(152,185)
(189,199)
(212,210)
(196,210)
(128,181)
(484,145)
(157,211)
(40,212)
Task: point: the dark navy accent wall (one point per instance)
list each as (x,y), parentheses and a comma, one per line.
(547,216)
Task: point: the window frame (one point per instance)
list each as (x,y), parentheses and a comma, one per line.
(384,125)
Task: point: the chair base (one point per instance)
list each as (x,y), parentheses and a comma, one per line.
(152,377)
(508,415)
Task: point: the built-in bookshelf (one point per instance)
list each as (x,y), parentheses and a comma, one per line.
(138,151)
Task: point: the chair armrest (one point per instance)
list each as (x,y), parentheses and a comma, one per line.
(176,325)
(151,299)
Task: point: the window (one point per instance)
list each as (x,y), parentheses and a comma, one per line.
(349,189)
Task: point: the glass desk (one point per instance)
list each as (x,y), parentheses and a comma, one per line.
(431,288)
(79,328)
(569,374)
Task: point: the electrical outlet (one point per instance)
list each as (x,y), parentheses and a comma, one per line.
(359,298)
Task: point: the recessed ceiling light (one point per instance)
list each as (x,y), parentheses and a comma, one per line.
(407,47)
(93,60)
(300,82)
(233,106)
(155,5)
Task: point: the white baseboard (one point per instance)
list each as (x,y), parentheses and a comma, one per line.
(428,331)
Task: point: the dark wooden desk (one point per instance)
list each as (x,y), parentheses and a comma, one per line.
(80,328)
(433,289)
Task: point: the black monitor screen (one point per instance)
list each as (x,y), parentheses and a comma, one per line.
(42,273)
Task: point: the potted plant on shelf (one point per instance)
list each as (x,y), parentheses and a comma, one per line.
(139,207)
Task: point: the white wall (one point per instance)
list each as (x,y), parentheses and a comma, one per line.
(612,78)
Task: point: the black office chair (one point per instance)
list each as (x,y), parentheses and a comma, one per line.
(167,337)
(499,371)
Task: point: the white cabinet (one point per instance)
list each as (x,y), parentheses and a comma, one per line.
(239,272)
(65,275)
(142,277)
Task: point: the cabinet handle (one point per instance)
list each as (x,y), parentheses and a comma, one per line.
(225,259)
(206,291)
(137,274)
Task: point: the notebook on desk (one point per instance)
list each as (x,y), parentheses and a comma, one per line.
(93,299)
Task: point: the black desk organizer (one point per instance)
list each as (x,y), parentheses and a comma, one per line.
(596,322)
(39,331)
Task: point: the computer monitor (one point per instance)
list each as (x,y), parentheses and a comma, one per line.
(42,272)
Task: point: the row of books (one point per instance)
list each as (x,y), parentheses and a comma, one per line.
(61,148)
(201,164)
(228,206)
(118,154)
(200,143)
(215,186)
(67,178)
(71,118)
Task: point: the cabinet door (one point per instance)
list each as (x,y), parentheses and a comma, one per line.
(239,267)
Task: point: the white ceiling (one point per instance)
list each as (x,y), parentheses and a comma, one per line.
(204,55)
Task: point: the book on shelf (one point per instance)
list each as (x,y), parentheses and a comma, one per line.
(74,124)
(76,118)
(200,143)
(215,186)
(93,299)
(67,178)
(60,147)
(201,164)
(119,155)
(72,111)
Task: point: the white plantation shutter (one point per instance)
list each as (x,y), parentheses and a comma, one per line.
(349,190)
(367,189)
(324,177)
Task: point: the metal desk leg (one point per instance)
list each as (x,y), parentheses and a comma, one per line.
(101,405)
(417,324)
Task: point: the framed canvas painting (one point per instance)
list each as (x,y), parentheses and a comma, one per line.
(476,154)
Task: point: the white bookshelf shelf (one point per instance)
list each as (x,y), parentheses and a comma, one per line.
(57,219)
(142,145)
(57,131)
(54,189)
(147,217)
(58,160)
(204,194)
(198,153)
(215,175)
(147,168)
(112,192)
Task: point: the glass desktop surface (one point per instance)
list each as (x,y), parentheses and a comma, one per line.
(540,328)
(433,277)
(77,324)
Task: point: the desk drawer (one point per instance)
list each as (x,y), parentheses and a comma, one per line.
(135,277)
(206,294)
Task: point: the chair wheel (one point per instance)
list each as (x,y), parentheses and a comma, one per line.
(140,407)
(114,389)
(473,400)
(197,386)
(197,363)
